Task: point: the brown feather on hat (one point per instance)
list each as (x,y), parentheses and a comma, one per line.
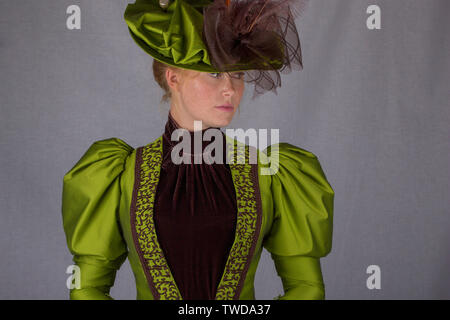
(259,36)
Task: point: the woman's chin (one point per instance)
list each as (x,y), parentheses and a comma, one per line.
(221,122)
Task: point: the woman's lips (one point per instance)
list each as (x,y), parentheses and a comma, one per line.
(225,108)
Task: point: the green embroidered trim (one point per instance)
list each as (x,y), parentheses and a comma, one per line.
(247,229)
(162,279)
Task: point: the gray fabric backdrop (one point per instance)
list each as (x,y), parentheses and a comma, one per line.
(373,105)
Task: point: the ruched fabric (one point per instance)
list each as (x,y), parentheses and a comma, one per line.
(195,217)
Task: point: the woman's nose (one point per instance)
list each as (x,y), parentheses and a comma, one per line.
(228,84)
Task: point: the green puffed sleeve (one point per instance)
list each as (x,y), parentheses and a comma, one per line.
(302,229)
(90,204)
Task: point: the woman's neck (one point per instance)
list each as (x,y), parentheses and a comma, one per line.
(184,122)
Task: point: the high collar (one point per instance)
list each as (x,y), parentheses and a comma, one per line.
(171,126)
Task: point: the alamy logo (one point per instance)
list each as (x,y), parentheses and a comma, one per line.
(255,137)
(74,20)
(374,20)
(374,280)
(74,280)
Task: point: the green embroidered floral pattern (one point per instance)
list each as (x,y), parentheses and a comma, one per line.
(248,224)
(161,278)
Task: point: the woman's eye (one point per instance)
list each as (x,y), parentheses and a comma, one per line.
(234,75)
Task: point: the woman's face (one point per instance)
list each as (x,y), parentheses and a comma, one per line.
(212,98)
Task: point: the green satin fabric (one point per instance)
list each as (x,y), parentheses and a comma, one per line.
(296,229)
(302,228)
(90,203)
(172,36)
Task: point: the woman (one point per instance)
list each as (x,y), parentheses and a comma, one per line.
(190,230)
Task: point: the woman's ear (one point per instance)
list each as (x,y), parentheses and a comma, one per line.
(173,78)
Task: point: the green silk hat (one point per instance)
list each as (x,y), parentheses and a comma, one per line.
(258,37)
(173,35)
